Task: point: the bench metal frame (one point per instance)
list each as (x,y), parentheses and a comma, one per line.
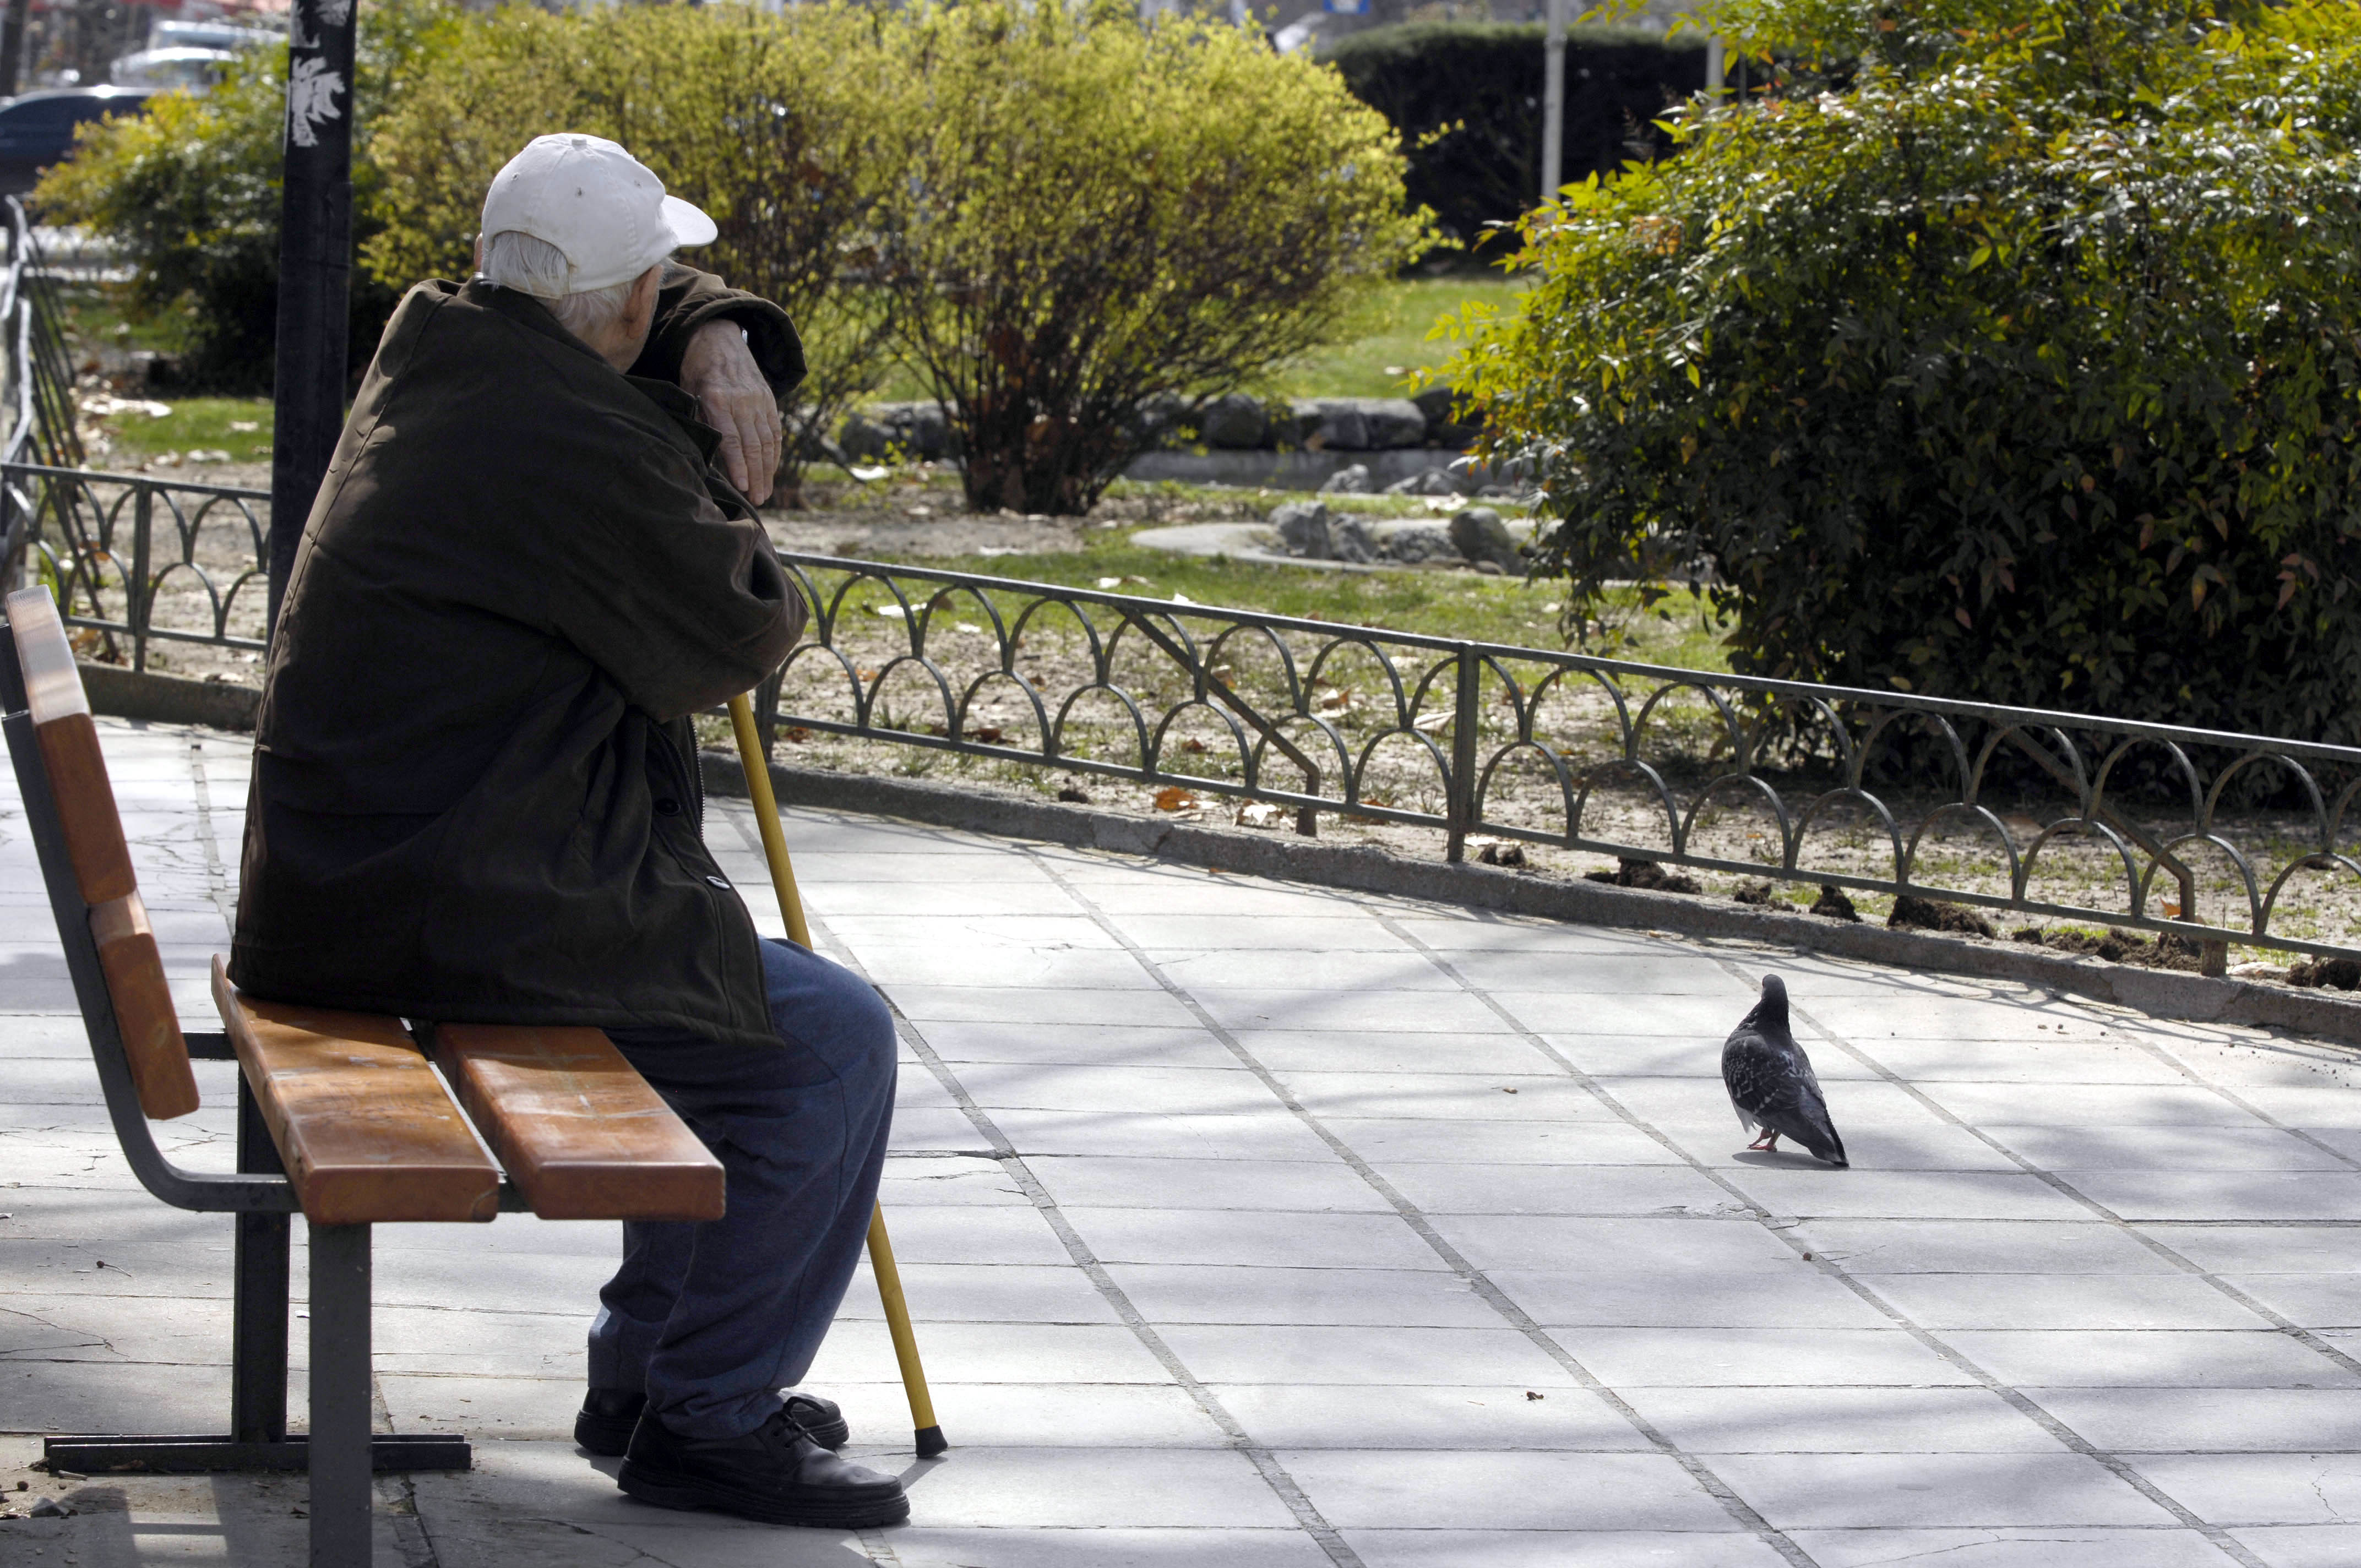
(340,1451)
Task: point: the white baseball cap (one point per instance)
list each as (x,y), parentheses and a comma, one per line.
(604,209)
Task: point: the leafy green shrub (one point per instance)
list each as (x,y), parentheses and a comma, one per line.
(2015,354)
(777,124)
(1466,99)
(188,194)
(1099,212)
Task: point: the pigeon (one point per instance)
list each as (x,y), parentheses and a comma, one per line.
(1771,1083)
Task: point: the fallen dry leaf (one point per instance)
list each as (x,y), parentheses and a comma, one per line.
(1174,799)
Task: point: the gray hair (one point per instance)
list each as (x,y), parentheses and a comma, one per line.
(530,265)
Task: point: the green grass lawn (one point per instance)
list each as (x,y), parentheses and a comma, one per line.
(1393,333)
(1434,603)
(1385,339)
(195,425)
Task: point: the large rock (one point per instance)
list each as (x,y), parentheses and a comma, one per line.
(1416,544)
(1348,540)
(1303,529)
(1350,480)
(1435,481)
(916,431)
(1153,420)
(1443,425)
(1481,536)
(1358,425)
(1236,422)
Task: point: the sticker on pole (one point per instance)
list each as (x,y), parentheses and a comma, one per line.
(312,90)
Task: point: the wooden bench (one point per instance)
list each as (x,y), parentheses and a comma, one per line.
(353,1119)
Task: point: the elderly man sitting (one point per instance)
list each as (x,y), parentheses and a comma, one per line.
(476,793)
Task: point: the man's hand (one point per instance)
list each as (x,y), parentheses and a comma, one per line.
(718,371)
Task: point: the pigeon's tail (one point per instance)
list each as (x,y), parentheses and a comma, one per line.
(1805,1121)
(1811,1127)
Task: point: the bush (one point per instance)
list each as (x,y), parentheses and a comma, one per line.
(1465,98)
(1100,211)
(188,194)
(777,124)
(2017,356)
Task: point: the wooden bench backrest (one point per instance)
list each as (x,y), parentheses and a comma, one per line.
(144,1014)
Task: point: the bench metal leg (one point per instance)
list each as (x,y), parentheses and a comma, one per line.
(258,1393)
(340,1491)
(257,1439)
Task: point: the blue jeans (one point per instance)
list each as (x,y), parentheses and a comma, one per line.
(712,1319)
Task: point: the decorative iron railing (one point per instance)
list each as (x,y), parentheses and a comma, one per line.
(1878,791)
(36,389)
(136,561)
(2209,837)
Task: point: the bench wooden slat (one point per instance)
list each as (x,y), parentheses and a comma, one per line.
(582,1134)
(366,1130)
(61,722)
(144,1014)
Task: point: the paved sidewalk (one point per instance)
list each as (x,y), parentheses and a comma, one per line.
(1252,1226)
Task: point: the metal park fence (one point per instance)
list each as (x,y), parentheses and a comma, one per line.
(2208,836)
(135,562)
(37,390)
(2198,834)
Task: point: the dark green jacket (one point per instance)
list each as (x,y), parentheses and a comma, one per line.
(474,793)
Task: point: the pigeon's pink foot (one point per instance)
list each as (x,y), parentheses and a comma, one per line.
(1768,1142)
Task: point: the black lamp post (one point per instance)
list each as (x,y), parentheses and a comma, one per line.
(316,263)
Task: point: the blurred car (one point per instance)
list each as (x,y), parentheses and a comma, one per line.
(36,129)
(212,35)
(186,54)
(165,68)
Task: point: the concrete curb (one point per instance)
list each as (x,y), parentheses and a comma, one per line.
(169,699)
(2162,993)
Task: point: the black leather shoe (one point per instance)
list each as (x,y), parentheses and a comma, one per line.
(776,1474)
(607,1416)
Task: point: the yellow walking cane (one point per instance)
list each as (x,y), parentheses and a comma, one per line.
(929,1432)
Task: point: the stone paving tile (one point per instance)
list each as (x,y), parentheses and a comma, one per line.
(1555,1548)
(2196,1358)
(1984,1246)
(1900,1194)
(1493,1101)
(1272,1240)
(2261,1488)
(1332,1414)
(2311,1300)
(1106,1182)
(1402,1140)
(2210,1420)
(1824,1491)
(2247,1149)
(1377,1298)
(2215,1195)
(2018,1547)
(2321,1546)
(1312,1288)
(1790,1296)
(1077,1045)
(1690,1357)
(1594,1190)
(1284,1050)
(1944,1301)
(1842,1420)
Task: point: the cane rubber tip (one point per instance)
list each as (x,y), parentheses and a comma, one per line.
(931,1442)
